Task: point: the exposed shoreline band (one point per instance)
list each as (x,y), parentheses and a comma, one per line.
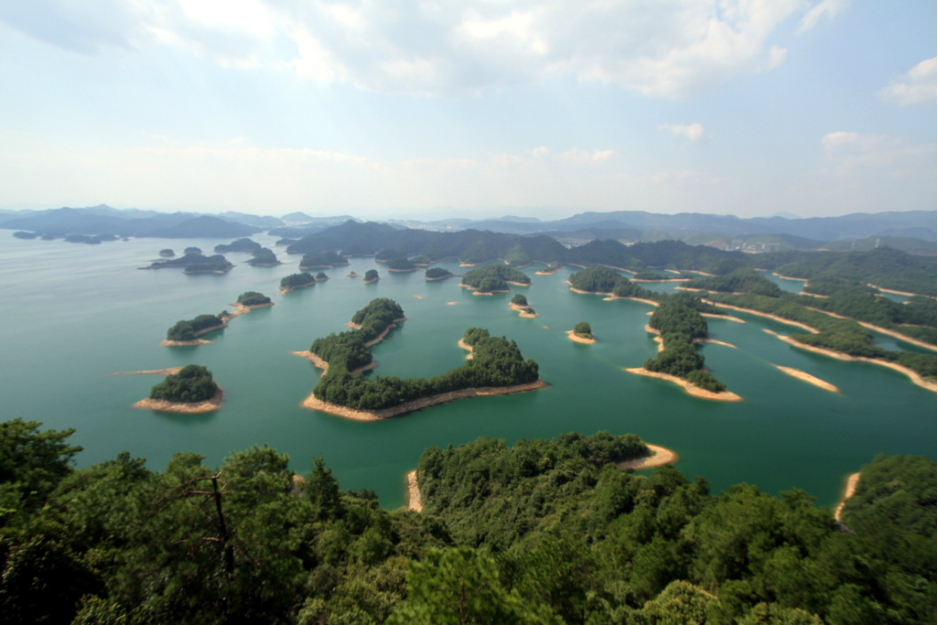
(579,339)
(659,456)
(690,389)
(314,403)
(912,375)
(161,405)
(852,480)
(807,377)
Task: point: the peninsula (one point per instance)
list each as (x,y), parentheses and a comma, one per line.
(186,332)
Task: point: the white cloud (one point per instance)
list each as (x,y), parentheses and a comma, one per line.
(577,155)
(671,49)
(826,8)
(870,156)
(916,86)
(691,132)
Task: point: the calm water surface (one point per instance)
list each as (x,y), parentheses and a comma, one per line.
(73,314)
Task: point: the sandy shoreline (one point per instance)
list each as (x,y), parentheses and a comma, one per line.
(523,311)
(314,403)
(906,293)
(689,388)
(161,405)
(659,456)
(726,317)
(197,341)
(285,290)
(319,363)
(452,275)
(778,275)
(579,339)
(912,375)
(851,487)
(380,337)
(547,273)
(766,315)
(869,326)
(370,281)
(414,499)
(652,330)
(807,377)
(170,371)
(241,309)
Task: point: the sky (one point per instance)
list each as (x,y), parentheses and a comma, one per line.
(427,109)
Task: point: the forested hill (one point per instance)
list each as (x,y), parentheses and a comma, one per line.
(545,532)
(884,267)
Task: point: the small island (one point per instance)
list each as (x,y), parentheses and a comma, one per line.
(194,262)
(263,257)
(248,301)
(352,274)
(494,279)
(191,391)
(167,253)
(296,281)
(581,333)
(324,260)
(437,273)
(520,303)
(401,264)
(371,276)
(241,245)
(550,269)
(321,276)
(186,332)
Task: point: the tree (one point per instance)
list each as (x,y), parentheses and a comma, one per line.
(583,329)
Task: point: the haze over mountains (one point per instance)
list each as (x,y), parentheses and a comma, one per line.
(912,231)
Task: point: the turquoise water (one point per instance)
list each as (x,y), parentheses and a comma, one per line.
(74,314)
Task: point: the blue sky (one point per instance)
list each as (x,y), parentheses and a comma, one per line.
(432,108)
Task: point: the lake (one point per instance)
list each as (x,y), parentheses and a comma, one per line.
(75,314)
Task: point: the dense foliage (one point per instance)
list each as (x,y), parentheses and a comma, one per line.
(167,252)
(494,277)
(542,532)
(322,259)
(744,280)
(348,351)
(188,330)
(264,257)
(583,329)
(193,383)
(195,262)
(401,264)
(241,245)
(435,273)
(519,300)
(253,298)
(320,276)
(297,280)
(517,257)
(371,275)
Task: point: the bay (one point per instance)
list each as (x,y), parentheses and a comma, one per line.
(72,315)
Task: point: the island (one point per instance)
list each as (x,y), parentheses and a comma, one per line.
(321,276)
(520,303)
(371,276)
(192,390)
(437,273)
(167,253)
(186,332)
(296,281)
(194,262)
(263,257)
(550,269)
(248,301)
(494,279)
(496,368)
(325,260)
(401,264)
(240,245)
(581,333)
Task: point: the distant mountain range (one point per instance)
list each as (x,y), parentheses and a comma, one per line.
(911,231)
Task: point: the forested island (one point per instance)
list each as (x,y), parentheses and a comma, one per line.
(191,390)
(494,279)
(371,276)
(496,367)
(241,245)
(546,531)
(187,332)
(550,269)
(325,260)
(193,261)
(263,257)
(437,273)
(582,333)
(401,264)
(250,300)
(296,281)
(520,304)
